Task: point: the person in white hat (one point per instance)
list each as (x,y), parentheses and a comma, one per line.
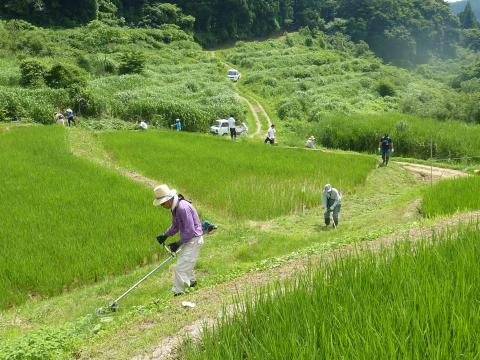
(186,221)
(332,202)
(310,142)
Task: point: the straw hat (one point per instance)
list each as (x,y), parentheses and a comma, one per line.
(311,138)
(162,194)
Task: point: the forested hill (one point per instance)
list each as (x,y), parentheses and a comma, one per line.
(459,6)
(403,31)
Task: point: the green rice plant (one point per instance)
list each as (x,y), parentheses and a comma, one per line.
(451,196)
(239,180)
(411,302)
(65,221)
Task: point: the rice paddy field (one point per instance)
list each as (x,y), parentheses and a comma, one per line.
(243,181)
(452,196)
(66,222)
(415,301)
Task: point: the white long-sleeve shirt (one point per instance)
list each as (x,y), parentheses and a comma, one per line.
(231,123)
(271,133)
(333,195)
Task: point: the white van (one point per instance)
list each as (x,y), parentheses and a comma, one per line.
(220,127)
(233,74)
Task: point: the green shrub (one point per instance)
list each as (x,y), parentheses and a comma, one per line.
(132,62)
(385,88)
(64,76)
(32,73)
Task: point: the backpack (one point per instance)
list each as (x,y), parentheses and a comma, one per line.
(386,142)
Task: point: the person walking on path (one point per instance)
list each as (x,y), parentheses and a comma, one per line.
(310,143)
(332,202)
(231,127)
(271,135)
(70,117)
(385,146)
(186,221)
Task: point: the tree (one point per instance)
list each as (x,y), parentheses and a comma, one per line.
(468,20)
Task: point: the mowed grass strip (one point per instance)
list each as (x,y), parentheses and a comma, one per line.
(243,180)
(450,196)
(65,221)
(405,304)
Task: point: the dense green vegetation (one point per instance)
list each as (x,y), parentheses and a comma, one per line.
(306,75)
(451,196)
(403,31)
(405,303)
(413,136)
(243,182)
(58,210)
(100,71)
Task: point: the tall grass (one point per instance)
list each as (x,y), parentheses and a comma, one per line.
(413,136)
(179,80)
(240,180)
(419,303)
(64,221)
(450,196)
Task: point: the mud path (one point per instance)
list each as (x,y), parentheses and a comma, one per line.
(432,173)
(168,347)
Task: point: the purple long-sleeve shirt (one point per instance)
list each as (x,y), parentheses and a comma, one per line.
(185,219)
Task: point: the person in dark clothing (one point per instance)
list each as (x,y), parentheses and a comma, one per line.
(385,146)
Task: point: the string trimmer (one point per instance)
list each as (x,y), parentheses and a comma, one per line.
(113,307)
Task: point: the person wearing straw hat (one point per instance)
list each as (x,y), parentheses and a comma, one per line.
(186,221)
(332,202)
(310,142)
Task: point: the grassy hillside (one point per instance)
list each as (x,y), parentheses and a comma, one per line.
(97,70)
(238,180)
(403,303)
(304,77)
(66,222)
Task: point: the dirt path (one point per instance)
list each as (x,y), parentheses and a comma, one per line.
(83,144)
(168,347)
(429,173)
(254,109)
(258,124)
(265,114)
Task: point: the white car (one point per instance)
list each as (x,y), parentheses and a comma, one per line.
(234,75)
(220,127)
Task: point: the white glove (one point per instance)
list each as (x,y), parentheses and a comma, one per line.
(331,208)
(393,150)
(378,149)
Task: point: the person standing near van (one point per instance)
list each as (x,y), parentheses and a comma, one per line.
(271,135)
(232,128)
